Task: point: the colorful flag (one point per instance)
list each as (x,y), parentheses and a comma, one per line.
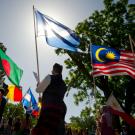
(29,103)
(56,34)
(13,72)
(29,99)
(14,93)
(108,61)
(117,110)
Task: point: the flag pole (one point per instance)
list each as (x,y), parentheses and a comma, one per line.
(36,46)
(131,44)
(94,84)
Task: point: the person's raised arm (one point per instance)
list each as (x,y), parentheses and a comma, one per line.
(43,84)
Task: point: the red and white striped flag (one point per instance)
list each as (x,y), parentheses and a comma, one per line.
(108,61)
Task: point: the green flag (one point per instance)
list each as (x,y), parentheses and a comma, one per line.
(13,72)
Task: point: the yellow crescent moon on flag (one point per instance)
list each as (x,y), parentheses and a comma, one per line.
(97,54)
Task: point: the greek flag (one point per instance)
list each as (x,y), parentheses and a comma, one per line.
(56,34)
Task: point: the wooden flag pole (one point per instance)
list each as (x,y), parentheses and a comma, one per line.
(35,31)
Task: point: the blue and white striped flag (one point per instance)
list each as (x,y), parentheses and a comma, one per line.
(56,34)
(29,100)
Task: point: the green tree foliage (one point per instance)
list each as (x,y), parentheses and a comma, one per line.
(110,27)
(14,111)
(84,121)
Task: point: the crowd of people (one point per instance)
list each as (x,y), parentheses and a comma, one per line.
(18,126)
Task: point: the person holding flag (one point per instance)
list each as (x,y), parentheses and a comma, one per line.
(53,109)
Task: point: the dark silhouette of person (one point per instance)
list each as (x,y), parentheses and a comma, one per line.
(17,127)
(26,125)
(106,121)
(53,110)
(9,126)
(3,102)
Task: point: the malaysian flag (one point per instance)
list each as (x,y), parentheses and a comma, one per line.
(56,34)
(108,61)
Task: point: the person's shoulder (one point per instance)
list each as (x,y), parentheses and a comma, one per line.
(48,76)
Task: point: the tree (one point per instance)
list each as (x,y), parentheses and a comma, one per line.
(111,27)
(84,121)
(14,111)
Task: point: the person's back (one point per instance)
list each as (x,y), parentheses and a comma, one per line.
(53,109)
(55,92)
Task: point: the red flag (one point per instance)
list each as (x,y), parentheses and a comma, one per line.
(117,110)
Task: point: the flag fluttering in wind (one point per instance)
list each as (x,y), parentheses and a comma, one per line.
(117,110)
(30,104)
(109,61)
(13,72)
(14,93)
(56,34)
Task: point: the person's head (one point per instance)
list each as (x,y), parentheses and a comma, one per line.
(57,69)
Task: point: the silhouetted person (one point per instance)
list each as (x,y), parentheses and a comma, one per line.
(17,127)
(106,121)
(9,126)
(3,102)
(26,125)
(53,110)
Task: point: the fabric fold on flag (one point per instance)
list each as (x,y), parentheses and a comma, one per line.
(117,110)
(109,61)
(14,93)
(30,104)
(13,72)
(56,34)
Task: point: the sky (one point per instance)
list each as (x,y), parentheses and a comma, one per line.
(17,34)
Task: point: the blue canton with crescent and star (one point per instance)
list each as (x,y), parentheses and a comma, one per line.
(103,54)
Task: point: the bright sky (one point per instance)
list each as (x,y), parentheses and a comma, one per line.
(17,34)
